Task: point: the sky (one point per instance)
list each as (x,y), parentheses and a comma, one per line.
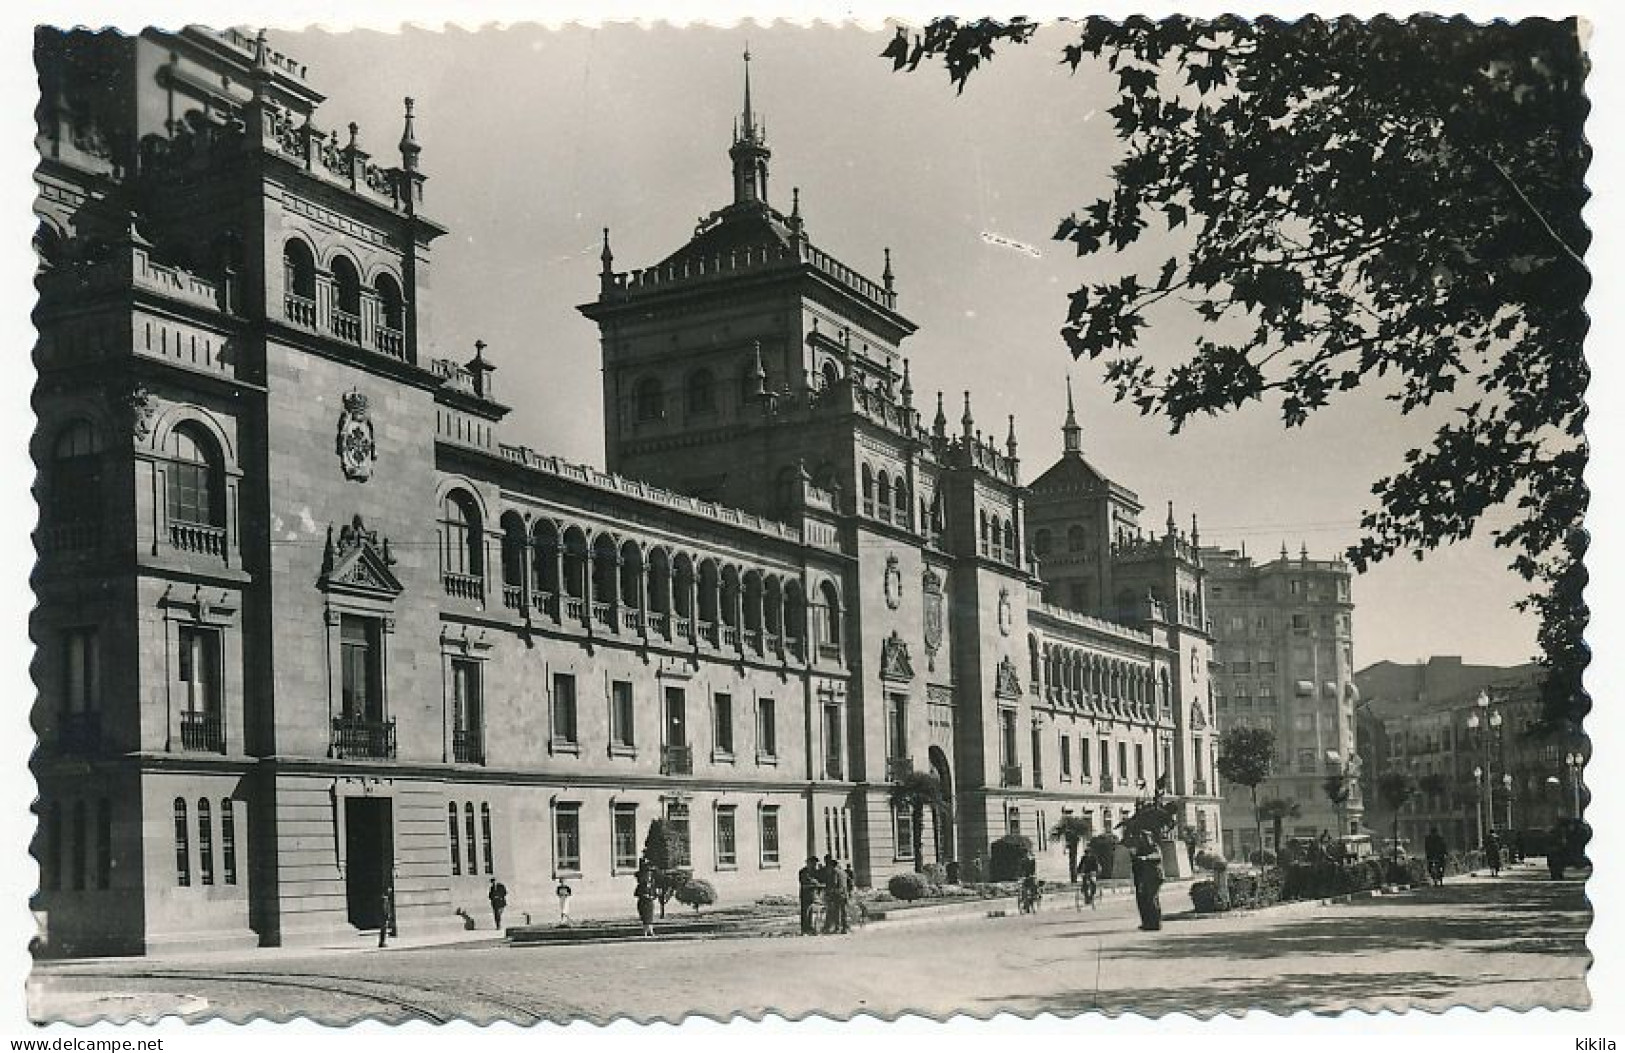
(535,139)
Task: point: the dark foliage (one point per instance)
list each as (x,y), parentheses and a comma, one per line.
(1010,857)
(1365,201)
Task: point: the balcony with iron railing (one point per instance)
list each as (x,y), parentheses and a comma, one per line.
(202,539)
(468,745)
(203,732)
(464,586)
(677,760)
(899,768)
(359,738)
(1010,775)
(79,732)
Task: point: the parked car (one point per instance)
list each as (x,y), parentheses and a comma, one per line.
(1392,849)
(1356,846)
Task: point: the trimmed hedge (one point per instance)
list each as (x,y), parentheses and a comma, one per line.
(697,893)
(907,887)
(1317,880)
(1010,857)
(1245,892)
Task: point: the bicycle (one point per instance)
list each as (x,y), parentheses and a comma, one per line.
(1087,893)
(1029,898)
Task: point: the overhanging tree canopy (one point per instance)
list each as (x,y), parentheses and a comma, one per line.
(1362,200)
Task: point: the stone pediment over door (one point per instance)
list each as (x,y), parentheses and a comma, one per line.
(1006,684)
(895,663)
(358,562)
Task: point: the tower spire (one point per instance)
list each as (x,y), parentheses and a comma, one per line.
(1071,434)
(749,151)
(409,143)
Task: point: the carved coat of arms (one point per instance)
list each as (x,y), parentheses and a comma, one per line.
(355,445)
(893,582)
(931,591)
(894,660)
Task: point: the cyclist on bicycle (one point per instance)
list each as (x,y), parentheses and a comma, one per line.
(1030,895)
(1089,877)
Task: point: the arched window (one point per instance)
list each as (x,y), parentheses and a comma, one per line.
(605,574)
(205,842)
(473,844)
(346,300)
(485,830)
(982,517)
(868,490)
(795,617)
(196,493)
(75,487)
(228,841)
(455,841)
(831,374)
(631,575)
(1041,543)
(830,602)
(1035,667)
(391,316)
(1076,539)
(883,495)
(461,540)
(648,399)
(299,270)
(575,563)
(545,557)
(514,537)
(682,586)
(1010,541)
(899,500)
(702,392)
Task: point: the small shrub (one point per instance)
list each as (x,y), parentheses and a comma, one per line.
(972,871)
(934,873)
(1205,898)
(1208,860)
(1104,848)
(776,901)
(1012,855)
(1262,857)
(697,893)
(908,887)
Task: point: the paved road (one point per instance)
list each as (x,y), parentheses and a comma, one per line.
(1517,941)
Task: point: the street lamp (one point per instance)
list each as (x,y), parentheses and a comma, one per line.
(1575,762)
(1478,794)
(1340,799)
(1506,784)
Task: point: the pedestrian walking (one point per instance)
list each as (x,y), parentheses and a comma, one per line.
(498,895)
(1437,852)
(1147,870)
(564,892)
(1492,853)
(644,895)
(807,878)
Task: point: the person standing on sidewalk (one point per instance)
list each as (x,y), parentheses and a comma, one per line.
(807,878)
(1147,870)
(644,895)
(1437,851)
(564,892)
(498,895)
(834,897)
(1492,853)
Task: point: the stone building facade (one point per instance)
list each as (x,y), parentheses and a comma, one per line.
(1283,631)
(314,641)
(1441,721)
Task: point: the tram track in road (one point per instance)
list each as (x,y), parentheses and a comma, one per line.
(407,997)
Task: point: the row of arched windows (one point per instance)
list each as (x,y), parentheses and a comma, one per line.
(572,576)
(1075,677)
(74,856)
(345,318)
(205,843)
(698,393)
(998,537)
(1077,540)
(75,484)
(470,845)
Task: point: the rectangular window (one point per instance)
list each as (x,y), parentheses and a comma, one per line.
(567,838)
(1139,760)
(832,741)
(677,819)
(903,826)
(676,732)
(81,668)
(625,836)
(486,842)
(200,669)
(896,726)
(621,715)
(205,842)
(722,723)
(727,837)
(1038,757)
(1122,758)
(1066,757)
(767,731)
(1105,758)
(1007,738)
(770,835)
(1084,759)
(564,709)
(189,497)
(183,851)
(1012,821)
(467,716)
(361,668)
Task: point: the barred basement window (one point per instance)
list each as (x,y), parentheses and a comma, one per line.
(727,837)
(183,853)
(456,843)
(228,840)
(485,828)
(205,842)
(624,834)
(770,836)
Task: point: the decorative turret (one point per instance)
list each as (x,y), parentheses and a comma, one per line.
(908,387)
(1172,528)
(939,426)
(1010,438)
(749,153)
(967,422)
(1071,434)
(1196,533)
(606,273)
(886,275)
(409,143)
(797,228)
